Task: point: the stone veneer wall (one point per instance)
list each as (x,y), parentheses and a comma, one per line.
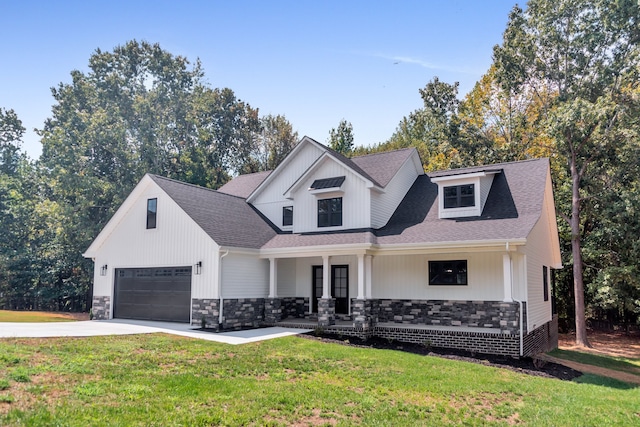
(101,307)
(295,307)
(326,311)
(242,313)
(207,309)
(479,314)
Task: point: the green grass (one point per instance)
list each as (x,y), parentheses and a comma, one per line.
(34,316)
(161,380)
(628,365)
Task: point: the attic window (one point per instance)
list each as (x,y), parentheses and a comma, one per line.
(459,196)
(322,184)
(152,209)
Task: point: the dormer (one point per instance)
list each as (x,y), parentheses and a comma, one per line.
(463,194)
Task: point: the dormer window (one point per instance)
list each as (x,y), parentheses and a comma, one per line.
(459,196)
(330,212)
(463,194)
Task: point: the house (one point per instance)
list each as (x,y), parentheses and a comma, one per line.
(364,246)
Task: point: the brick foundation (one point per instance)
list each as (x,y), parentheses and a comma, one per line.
(101,307)
(542,339)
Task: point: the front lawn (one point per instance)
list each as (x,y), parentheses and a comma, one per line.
(35,316)
(623,364)
(167,380)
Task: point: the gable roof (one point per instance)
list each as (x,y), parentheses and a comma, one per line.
(243,185)
(513,207)
(227,219)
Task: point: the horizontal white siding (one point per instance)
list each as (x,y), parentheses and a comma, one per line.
(286,277)
(355,200)
(539,252)
(177,241)
(245,276)
(407,277)
(383,205)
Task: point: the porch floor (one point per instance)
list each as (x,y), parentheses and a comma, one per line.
(348,324)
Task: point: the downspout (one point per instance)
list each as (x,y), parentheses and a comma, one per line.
(516,300)
(220,287)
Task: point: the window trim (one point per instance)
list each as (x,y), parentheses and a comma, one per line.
(287,216)
(152,213)
(333,217)
(459,197)
(456,262)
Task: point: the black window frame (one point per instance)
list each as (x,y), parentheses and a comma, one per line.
(287,216)
(330,212)
(454,196)
(545,282)
(152,213)
(449,273)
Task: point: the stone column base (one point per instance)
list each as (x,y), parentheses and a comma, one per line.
(362,313)
(326,311)
(101,307)
(205,312)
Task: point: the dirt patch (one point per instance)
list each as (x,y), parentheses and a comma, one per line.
(614,344)
(525,365)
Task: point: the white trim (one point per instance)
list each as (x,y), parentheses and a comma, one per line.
(462,176)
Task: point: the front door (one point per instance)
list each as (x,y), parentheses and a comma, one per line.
(339,287)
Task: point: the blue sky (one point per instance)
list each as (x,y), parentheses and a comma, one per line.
(316,62)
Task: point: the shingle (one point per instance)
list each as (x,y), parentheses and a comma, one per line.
(244,185)
(227,219)
(383,166)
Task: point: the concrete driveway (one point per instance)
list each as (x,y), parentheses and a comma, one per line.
(128,327)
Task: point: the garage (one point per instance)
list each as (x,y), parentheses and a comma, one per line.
(162,294)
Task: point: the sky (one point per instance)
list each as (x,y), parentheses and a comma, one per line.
(315,62)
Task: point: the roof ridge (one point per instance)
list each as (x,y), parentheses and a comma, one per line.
(188,184)
(492,165)
(383,152)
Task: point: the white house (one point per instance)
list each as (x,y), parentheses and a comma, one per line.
(367,246)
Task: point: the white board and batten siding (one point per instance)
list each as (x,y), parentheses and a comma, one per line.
(540,252)
(177,241)
(270,200)
(355,199)
(407,277)
(383,205)
(245,276)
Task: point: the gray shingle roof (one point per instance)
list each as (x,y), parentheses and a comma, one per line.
(227,219)
(383,166)
(243,185)
(513,207)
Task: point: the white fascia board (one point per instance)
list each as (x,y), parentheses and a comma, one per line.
(509,245)
(304,141)
(92,250)
(314,251)
(238,250)
(463,176)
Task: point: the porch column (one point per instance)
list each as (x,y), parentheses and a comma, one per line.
(273,278)
(507,274)
(326,277)
(367,274)
(361,277)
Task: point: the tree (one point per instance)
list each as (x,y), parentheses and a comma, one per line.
(341,139)
(581,52)
(274,142)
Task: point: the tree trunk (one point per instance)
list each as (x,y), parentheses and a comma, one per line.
(578,281)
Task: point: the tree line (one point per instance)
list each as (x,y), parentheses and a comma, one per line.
(563,85)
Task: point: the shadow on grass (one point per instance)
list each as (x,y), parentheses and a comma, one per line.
(604,382)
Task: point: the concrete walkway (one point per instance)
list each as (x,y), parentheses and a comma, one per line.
(129,327)
(591,369)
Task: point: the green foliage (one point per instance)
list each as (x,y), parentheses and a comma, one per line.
(341,138)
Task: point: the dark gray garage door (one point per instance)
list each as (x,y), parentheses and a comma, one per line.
(153,294)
